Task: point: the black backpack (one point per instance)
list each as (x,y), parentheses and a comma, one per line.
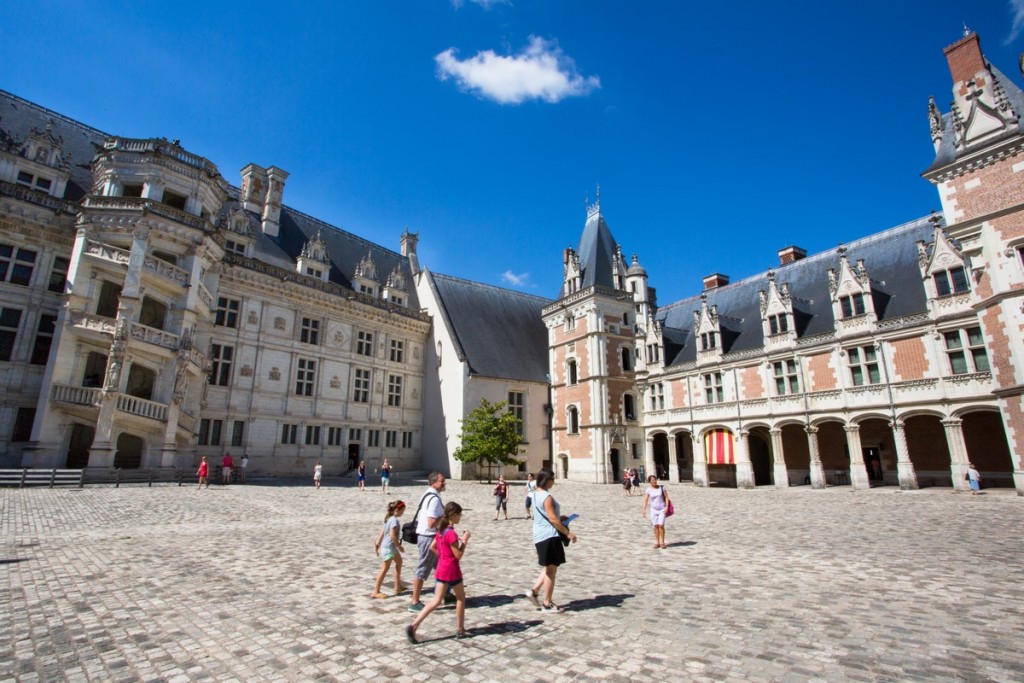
(409,534)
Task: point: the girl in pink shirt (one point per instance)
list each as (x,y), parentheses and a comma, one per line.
(450,549)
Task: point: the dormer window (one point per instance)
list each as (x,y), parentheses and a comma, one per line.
(315,272)
(35,182)
(952,281)
(709,341)
(852,305)
(777,324)
(234,247)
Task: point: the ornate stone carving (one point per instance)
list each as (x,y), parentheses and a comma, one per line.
(246,371)
(279,323)
(335,382)
(275,375)
(252,319)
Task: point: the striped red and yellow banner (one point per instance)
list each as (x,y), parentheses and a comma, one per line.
(718,446)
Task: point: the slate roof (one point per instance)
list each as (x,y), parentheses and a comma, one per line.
(596,252)
(81,143)
(947,152)
(499,331)
(890,258)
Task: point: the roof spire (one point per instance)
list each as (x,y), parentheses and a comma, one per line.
(967,31)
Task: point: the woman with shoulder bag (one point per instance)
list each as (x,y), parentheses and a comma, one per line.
(661,507)
(547,525)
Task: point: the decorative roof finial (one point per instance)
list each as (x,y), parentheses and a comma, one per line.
(595,208)
(967,31)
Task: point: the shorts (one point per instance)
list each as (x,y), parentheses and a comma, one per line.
(389,553)
(451,584)
(384,478)
(226,471)
(316,477)
(500,502)
(428,560)
(529,502)
(658,517)
(550,551)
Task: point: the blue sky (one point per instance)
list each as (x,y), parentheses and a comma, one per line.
(718,132)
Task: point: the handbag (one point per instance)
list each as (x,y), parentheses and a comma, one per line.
(670,509)
(409,534)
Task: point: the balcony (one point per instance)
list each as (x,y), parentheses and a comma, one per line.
(143,206)
(167,270)
(151,335)
(37,197)
(107,253)
(133,405)
(187,422)
(80,396)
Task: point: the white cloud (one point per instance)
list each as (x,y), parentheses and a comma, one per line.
(1017,8)
(516,280)
(540,72)
(486,4)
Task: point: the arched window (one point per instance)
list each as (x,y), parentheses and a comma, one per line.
(574,420)
(627,359)
(573,378)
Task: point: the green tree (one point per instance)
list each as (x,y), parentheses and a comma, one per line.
(490,434)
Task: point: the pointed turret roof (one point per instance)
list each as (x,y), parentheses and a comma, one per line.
(597,250)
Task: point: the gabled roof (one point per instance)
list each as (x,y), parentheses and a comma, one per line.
(891,261)
(499,330)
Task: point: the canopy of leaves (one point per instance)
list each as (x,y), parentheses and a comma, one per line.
(490,434)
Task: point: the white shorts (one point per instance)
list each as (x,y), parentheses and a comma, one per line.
(226,471)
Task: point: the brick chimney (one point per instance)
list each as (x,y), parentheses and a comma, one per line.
(790,254)
(965,60)
(272,204)
(254,188)
(715,280)
(408,241)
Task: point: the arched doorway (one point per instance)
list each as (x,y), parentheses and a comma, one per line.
(929,452)
(720,454)
(759,446)
(987,447)
(684,455)
(563,466)
(879,452)
(659,443)
(141,381)
(616,477)
(834,452)
(79,445)
(796,454)
(129,452)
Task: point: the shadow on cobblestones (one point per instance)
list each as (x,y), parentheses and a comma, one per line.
(597,602)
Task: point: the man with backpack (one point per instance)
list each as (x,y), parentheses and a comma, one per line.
(428,513)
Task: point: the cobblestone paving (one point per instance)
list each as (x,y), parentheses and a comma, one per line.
(271,582)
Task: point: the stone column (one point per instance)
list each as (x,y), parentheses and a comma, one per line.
(744,468)
(649,467)
(779,459)
(904,467)
(700,462)
(673,459)
(858,472)
(957,453)
(817,471)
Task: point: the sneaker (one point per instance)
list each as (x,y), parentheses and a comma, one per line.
(531,595)
(553,608)
(416,607)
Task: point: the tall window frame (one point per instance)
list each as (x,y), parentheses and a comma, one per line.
(966,351)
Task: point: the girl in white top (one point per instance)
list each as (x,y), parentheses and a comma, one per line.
(657,496)
(318,472)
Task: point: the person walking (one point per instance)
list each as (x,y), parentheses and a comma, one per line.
(548,523)
(973,478)
(385,476)
(627,482)
(500,497)
(203,473)
(450,551)
(389,548)
(428,515)
(318,472)
(531,487)
(657,496)
(226,463)
(242,467)
(362,475)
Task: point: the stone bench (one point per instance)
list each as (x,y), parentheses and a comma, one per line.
(141,475)
(41,477)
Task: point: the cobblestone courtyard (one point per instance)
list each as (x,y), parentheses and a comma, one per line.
(272,582)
